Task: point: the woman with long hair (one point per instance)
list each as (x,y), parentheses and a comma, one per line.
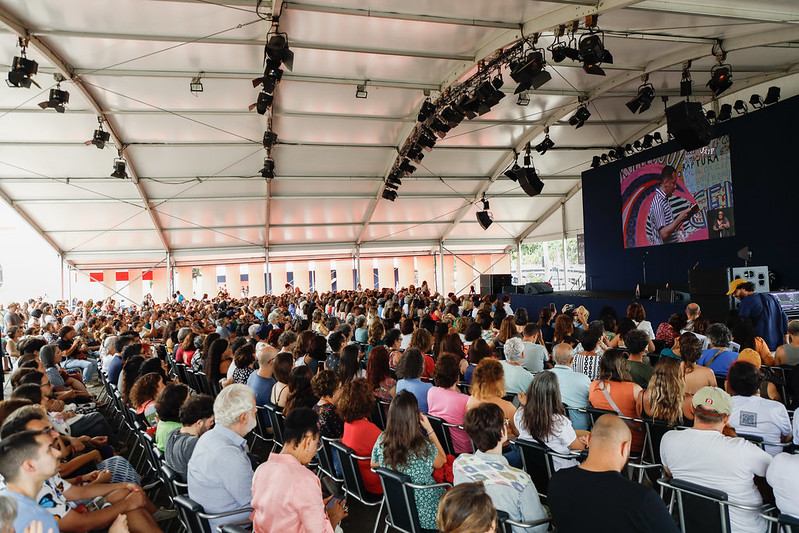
(615,391)
(379,374)
(217,361)
(467,508)
(393,340)
(282,371)
(507,330)
(441,331)
(488,385)
(545,318)
(186,350)
(410,446)
(663,398)
(376,333)
(689,348)
(143,395)
(129,375)
(543,418)
(422,340)
(744,334)
(300,391)
(349,367)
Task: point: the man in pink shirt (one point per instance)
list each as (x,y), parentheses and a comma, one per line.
(286,496)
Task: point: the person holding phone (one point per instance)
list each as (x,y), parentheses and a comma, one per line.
(665,224)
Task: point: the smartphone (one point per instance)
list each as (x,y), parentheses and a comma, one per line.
(333,501)
(552,306)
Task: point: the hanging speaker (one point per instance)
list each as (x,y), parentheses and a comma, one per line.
(530,182)
(688,125)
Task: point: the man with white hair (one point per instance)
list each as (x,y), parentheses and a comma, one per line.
(573,385)
(692,311)
(262,381)
(517,378)
(220,472)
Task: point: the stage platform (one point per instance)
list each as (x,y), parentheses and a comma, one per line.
(656,312)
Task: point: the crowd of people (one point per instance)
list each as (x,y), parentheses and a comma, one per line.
(332,363)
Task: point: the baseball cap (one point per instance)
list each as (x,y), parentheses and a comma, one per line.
(713,399)
(734,284)
(750,356)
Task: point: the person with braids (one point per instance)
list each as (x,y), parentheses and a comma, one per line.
(410,446)
(664,397)
(543,419)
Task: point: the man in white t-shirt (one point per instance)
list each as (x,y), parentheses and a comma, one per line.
(751,414)
(535,354)
(796,429)
(703,455)
(781,476)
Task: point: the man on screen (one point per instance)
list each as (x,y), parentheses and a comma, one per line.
(660,215)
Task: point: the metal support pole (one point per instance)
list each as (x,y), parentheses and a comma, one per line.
(170,276)
(267,283)
(357,265)
(565,262)
(519,278)
(61,258)
(440,279)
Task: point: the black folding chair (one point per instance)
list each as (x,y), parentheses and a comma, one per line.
(537,461)
(505,524)
(278,423)
(354,485)
(196,519)
(400,501)
(326,463)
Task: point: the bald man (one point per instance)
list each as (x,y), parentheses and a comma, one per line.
(606,500)
(692,311)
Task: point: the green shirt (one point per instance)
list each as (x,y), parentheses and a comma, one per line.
(641,373)
(162,430)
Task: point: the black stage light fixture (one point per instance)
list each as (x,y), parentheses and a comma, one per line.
(772,96)
(657,137)
(725,113)
(530,182)
(99,138)
(389,195)
(484,217)
(268,172)
(720,79)
(426,140)
(393,185)
(637,146)
(710,115)
(468,106)
(270,138)
(277,49)
(593,53)
(511,172)
(544,145)
(406,167)
(196,86)
(120,168)
(452,115)
(756,101)
(612,154)
(528,71)
(524,99)
(558,51)
(580,116)
(439,127)
(426,111)
(604,158)
(647,142)
(628,148)
(57,100)
(272,76)
(262,104)
(596,162)
(394,180)
(21,71)
(415,153)
(643,100)
(740,107)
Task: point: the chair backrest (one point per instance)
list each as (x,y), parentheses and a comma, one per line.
(788,523)
(325,455)
(721,381)
(191,379)
(180,369)
(189,512)
(230,528)
(442,432)
(380,413)
(353,481)
(655,429)
(537,463)
(278,422)
(173,484)
(505,524)
(203,384)
(700,509)
(262,423)
(400,502)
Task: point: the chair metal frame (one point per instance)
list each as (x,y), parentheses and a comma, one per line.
(193,514)
(527,449)
(505,523)
(408,503)
(354,485)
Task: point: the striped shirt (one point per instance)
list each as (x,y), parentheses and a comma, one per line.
(660,216)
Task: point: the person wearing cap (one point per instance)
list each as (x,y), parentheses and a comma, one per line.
(703,455)
(768,319)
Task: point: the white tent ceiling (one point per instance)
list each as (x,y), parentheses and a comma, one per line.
(195,189)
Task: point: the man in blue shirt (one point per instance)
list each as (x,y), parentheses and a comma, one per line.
(27,459)
(262,381)
(718,357)
(573,385)
(768,319)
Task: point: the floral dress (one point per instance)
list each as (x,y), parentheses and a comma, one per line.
(330,423)
(420,470)
(383,392)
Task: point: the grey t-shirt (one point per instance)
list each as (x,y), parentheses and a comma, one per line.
(178,450)
(535,356)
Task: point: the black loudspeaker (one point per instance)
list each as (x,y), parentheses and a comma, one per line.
(537,288)
(647,291)
(484,218)
(710,281)
(494,283)
(512,289)
(530,182)
(688,125)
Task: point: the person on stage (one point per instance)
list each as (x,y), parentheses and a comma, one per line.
(721,226)
(662,218)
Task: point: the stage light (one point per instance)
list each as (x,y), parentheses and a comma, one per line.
(528,71)
(612,154)
(580,116)
(389,195)
(120,168)
(484,217)
(511,172)
(524,99)
(637,146)
(262,104)
(593,53)
(628,148)
(360,91)
(544,145)
(394,180)
(740,107)
(270,138)
(643,100)
(604,158)
(426,141)
(686,87)
(415,153)
(530,182)
(596,162)
(725,113)
(272,76)
(57,100)
(468,106)
(657,137)
(426,111)
(277,49)
(711,116)
(406,167)
(393,185)
(452,116)
(439,127)
(561,51)
(772,96)
(21,71)
(196,86)
(720,79)
(99,138)
(268,172)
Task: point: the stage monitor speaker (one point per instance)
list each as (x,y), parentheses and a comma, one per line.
(537,288)
(688,125)
(512,289)
(754,274)
(493,283)
(671,296)
(710,281)
(646,291)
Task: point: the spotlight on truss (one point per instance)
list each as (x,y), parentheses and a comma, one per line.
(277,49)
(58,100)
(268,171)
(772,96)
(544,145)
(580,116)
(484,217)
(99,138)
(643,100)
(593,53)
(22,70)
(720,79)
(528,71)
(270,138)
(262,104)
(120,168)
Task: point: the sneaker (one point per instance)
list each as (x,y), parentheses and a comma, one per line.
(164,514)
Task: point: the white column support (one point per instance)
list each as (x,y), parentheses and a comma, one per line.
(519,280)
(267,281)
(565,256)
(440,280)
(358,266)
